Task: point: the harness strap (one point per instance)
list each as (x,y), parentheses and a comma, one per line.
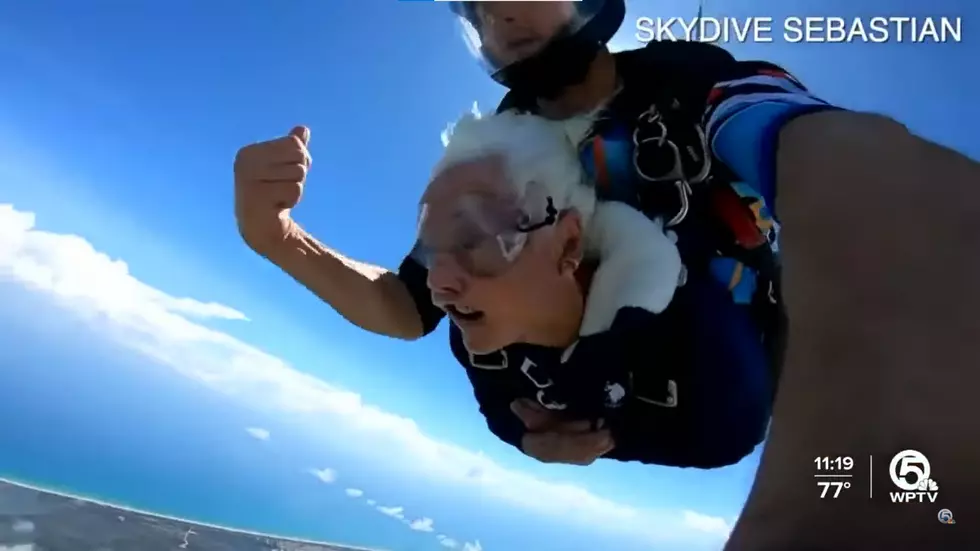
(737,217)
(655,78)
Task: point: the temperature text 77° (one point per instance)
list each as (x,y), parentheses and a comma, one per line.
(836,486)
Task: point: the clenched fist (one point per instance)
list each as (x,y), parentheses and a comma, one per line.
(269,179)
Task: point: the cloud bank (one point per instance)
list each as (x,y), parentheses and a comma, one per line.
(170,330)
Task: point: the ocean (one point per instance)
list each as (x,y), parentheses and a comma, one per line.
(88,418)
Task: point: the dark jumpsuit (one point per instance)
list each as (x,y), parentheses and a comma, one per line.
(691,386)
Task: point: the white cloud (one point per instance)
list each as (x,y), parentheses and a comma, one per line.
(446,541)
(372,502)
(258,433)
(475,546)
(169,330)
(325,475)
(354,492)
(707,523)
(70,268)
(423,524)
(395,512)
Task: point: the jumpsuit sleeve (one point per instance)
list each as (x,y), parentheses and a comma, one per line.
(696,395)
(745,111)
(413,274)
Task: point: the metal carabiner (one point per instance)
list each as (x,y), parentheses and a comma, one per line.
(651,118)
(684,191)
(675,175)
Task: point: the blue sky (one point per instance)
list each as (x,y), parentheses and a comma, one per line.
(119,123)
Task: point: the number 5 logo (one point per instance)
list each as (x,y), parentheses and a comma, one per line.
(909,462)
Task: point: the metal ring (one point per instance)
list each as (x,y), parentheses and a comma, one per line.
(650,121)
(675,173)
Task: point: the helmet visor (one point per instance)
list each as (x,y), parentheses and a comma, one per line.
(500,34)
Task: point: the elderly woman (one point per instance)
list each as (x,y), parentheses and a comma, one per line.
(573,315)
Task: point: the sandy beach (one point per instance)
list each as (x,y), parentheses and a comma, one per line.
(39,519)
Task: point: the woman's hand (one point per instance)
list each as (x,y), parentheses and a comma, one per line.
(552,439)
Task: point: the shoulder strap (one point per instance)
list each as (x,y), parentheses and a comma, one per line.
(663,70)
(700,55)
(659,65)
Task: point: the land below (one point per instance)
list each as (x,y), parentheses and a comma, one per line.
(32,519)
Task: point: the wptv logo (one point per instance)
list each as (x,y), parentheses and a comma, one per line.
(911,472)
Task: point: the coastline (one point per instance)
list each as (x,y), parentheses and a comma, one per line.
(190,522)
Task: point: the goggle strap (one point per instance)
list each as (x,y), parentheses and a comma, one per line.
(551,216)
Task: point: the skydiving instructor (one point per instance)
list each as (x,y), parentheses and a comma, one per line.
(868,215)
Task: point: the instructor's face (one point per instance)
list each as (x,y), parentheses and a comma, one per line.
(511,31)
(492,308)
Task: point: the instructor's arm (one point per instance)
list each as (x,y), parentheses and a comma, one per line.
(880,249)
(269,180)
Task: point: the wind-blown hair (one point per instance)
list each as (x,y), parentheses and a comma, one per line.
(639,264)
(535,151)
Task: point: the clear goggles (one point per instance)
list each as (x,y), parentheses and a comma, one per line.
(502,33)
(478,234)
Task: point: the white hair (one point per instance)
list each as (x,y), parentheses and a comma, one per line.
(534,149)
(639,264)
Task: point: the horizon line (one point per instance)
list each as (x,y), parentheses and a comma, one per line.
(105,503)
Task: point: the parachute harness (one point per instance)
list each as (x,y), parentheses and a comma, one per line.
(650,131)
